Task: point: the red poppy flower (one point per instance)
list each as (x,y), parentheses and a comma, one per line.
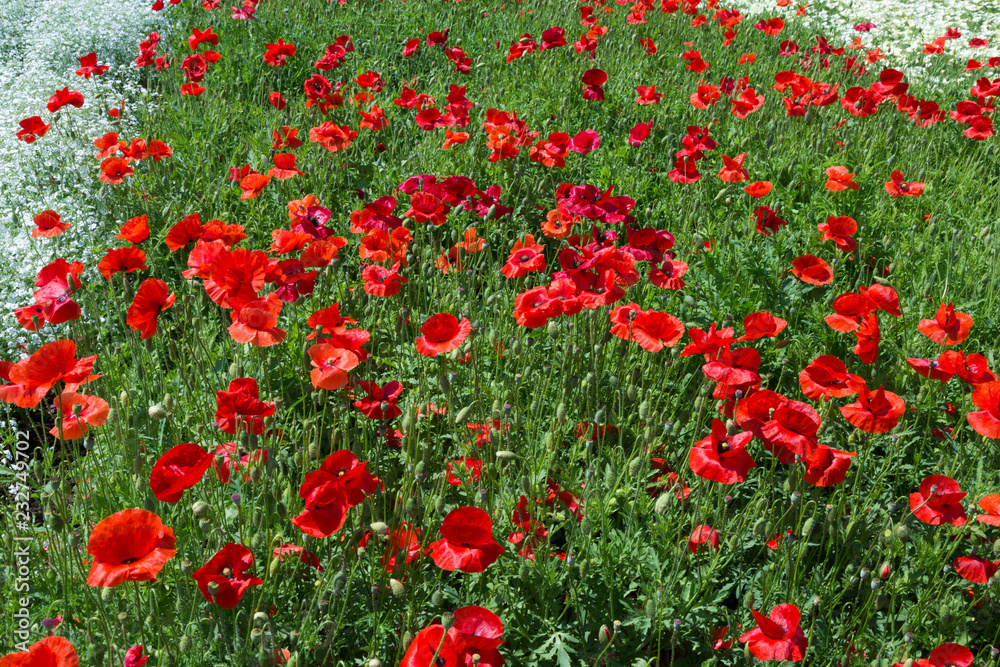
(652,329)
(991,505)
(839,179)
(811,269)
(63,97)
(973,369)
(32,128)
(985,421)
(227,569)
(768,221)
(734,367)
(939,501)
(225,461)
(706,95)
(948,327)
(761,325)
(119,260)
(841,231)
(826,466)
(896,187)
(827,377)
(647,95)
(131,545)
(89,66)
(340,483)
(593,79)
(748,102)
(256,323)
(405,542)
(240,408)
(793,425)
(332,137)
(869,335)
(276,54)
(708,342)
(48,224)
(732,169)
(703,535)
(51,651)
(777,636)
(114,170)
(473,469)
(135,230)
(32,377)
(432,645)
(277,100)
(467,543)
(758,189)
(178,469)
(720,457)
(306,557)
(93,412)
(284,167)
(771,27)
(874,413)
(975,569)
(442,333)
(187,230)
(668,275)
(253,184)
(380,403)
(330,366)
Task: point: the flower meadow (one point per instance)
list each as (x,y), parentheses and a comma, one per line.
(457,334)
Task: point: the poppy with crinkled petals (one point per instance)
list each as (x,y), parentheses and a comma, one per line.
(720,457)
(118,260)
(654,330)
(48,224)
(178,469)
(840,230)
(135,230)
(703,535)
(826,377)
(839,179)
(949,327)
(777,636)
(114,170)
(54,651)
(442,333)
(89,66)
(63,97)
(330,366)
(761,325)
(32,377)
(793,425)
(896,187)
(877,412)
(812,270)
(748,102)
(939,501)
(975,569)
(32,128)
(227,569)
(768,222)
(991,505)
(433,646)
(986,421)
(755,410)
(187,230)
(480,632)
(826,466)
(669,274)
(732,169)
(253,184)
(973,369)
(131,545)
(467,542)
(332,137)
(93,411)
(284,167)
(593,79)
(256,323)
(381,281)
(758,189)
(371,406)
(733,367)
(240,408)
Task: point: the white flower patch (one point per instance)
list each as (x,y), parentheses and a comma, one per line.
(901,30)
(40,41)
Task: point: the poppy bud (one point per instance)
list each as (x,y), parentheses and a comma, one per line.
(272,569)
(651,608)
(807,528)
(374,662)
(506,455)
(902,533)
(398,591)
(137,464)
(885,571)
(586,526)
(600,415)
(168,402)
(157,412)
(760,528)
(149,504)
(55,522)
(123,398)
(186,643)
(634,467)
(439,505)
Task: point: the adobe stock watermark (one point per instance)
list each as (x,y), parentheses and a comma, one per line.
(23,537)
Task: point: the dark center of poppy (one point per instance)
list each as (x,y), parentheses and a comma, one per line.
(129,561)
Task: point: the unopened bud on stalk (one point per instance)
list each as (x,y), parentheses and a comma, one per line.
(168,402)
(398,590)
(604,636)
(157,412)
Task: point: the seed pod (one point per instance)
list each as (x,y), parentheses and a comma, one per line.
(903,533)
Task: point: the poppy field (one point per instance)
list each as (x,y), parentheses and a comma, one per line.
(468,334)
